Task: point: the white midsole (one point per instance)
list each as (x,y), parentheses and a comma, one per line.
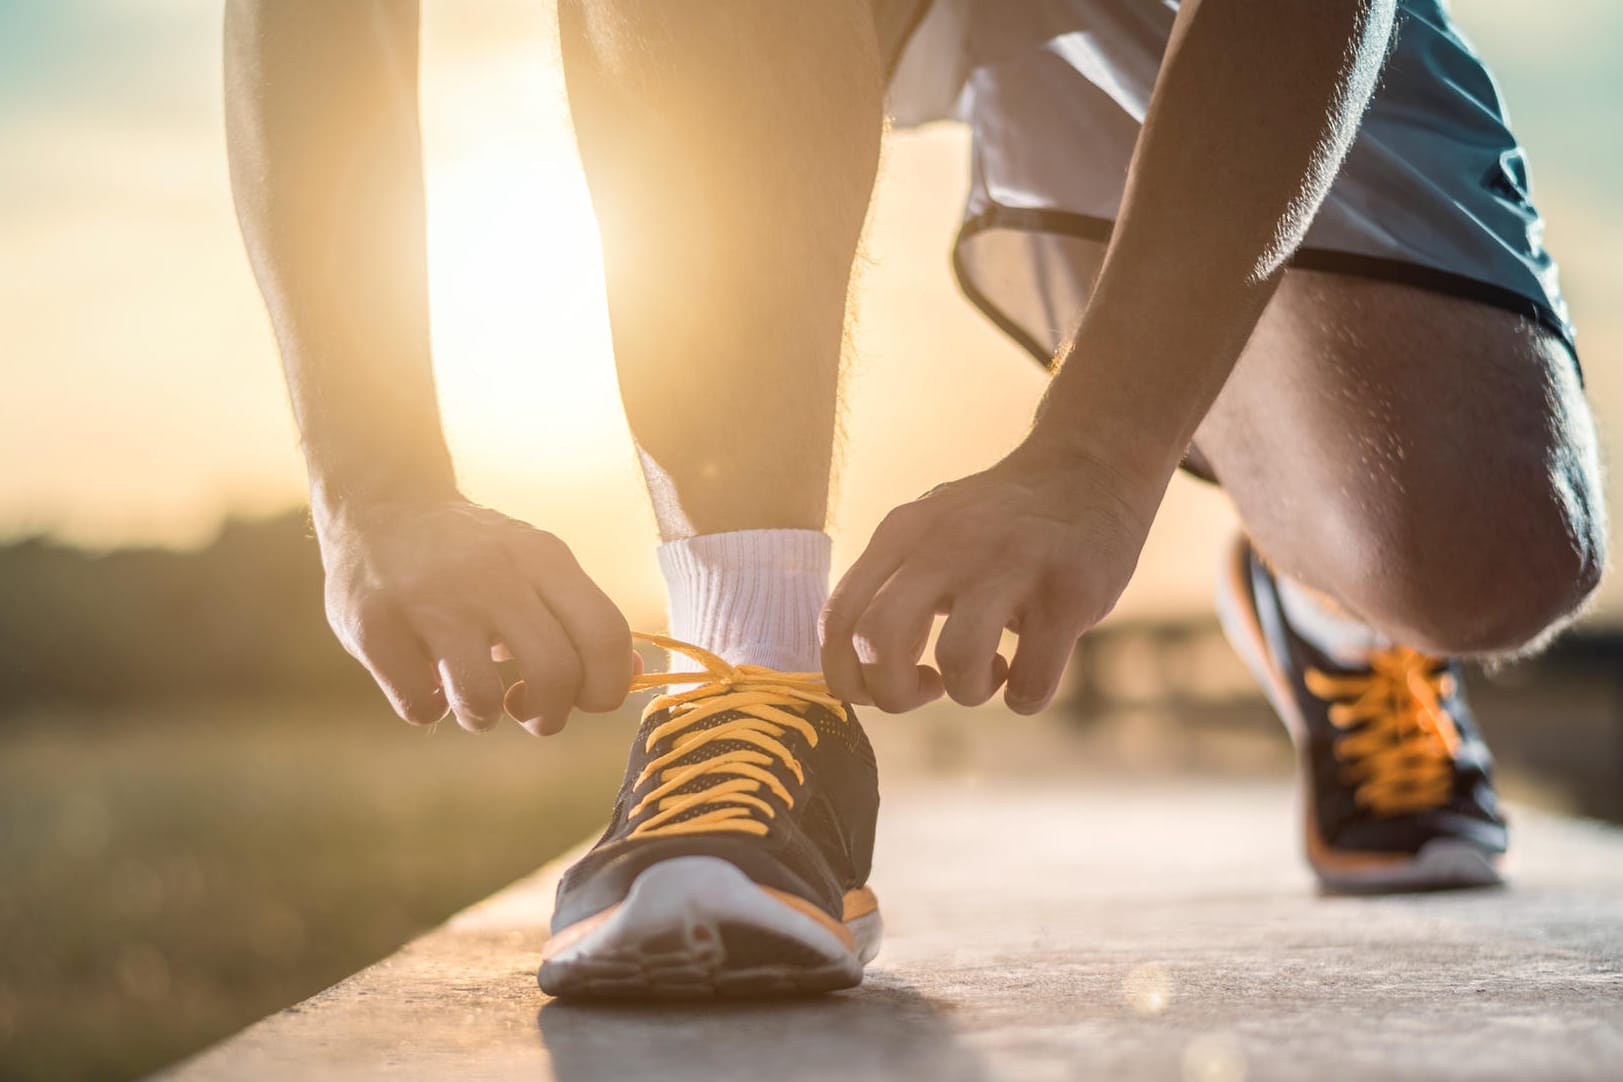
(694,895)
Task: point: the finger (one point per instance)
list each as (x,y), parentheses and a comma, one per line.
(404,672)
(904,691)
(1046,645)
(966,653)
(890,639)
(886,551)
(549,671)
(473,687)
(595,626)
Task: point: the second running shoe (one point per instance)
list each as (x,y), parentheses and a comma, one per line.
(1397,781)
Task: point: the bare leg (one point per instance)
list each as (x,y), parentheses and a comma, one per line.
(731,149)
(1429,462)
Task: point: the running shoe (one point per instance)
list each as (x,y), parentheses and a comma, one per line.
(1398,788)
(736,860)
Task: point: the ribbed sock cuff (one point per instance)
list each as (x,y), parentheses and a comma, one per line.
(752,596)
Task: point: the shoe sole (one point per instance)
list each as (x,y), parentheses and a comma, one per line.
(1440,864)
(699,928)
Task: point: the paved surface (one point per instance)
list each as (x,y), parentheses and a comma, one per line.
(1049,931)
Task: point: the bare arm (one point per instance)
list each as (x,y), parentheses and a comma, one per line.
(1255,107)
(422,586)
(326,165)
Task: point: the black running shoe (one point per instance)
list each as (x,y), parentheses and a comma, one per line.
(736,862)
(1398,782)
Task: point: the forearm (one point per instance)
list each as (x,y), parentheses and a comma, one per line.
(325,153)
(1255,107)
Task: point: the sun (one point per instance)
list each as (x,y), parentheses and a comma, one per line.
(521,341)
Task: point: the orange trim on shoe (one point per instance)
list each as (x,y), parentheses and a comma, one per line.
(795,902)
(859,903)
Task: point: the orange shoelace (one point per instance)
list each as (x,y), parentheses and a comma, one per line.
(769,704)
(1398,742)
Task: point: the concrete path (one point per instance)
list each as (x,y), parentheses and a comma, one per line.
(1048,931)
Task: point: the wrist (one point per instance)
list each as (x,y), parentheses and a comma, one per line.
(1090,474)
(1144,455)
(338,496)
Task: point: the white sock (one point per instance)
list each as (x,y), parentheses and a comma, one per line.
(1341,636)
(752,596)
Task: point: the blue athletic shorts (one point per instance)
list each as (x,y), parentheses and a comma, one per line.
(1434,192)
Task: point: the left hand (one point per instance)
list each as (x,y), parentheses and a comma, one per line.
(1042,544)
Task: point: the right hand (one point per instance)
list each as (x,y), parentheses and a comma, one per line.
(429,594)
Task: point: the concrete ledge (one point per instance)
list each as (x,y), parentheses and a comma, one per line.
(1048,931)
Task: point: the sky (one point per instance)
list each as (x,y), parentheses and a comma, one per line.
(143,402)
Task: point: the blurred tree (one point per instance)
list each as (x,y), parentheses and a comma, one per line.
(242,616)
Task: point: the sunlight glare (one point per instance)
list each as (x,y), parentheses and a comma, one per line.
(521,340)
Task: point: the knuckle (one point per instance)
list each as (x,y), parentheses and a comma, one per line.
(440,621)
(890,690)
(609,633)
(966,679)
(845,687)
(559,679)
(366,627)
(898,523)
(552,676)
(882,623)
(1064,590)
(341,618)
(835,621)
(482,558)
(955,654)
(449,574)
(547,546)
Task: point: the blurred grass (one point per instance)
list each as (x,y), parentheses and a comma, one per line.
(170,875)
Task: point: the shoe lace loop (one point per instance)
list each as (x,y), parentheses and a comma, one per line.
(743,748)
(1398,741)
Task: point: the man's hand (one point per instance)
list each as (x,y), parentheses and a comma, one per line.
(429,595)
(1043,544)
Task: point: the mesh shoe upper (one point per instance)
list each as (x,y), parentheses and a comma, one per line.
(1393,753)
(759,768)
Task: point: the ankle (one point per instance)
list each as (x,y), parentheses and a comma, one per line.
(751,596)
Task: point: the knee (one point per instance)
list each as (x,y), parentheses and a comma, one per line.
(1493,580)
